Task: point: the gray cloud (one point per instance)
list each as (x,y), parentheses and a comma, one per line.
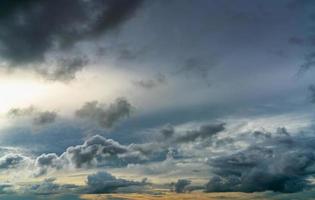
(48,187)
(46,162)
(205,131)
(167,138)
(261,134)
(56,26)
(65,69)
(105,117)
(96,151)
(93,150)
(39,118)
(151,83)
(10,161)
(21,112)
(103,182)
(181,185)
(281,164)
(44,118)
(167,131)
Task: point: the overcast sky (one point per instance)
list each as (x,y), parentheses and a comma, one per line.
(102,96)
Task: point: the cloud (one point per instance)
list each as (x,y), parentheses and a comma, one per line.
(261,134)
(168,139)
(21,112)
(105,117)
(204,132)
(95,152)
(39,118)
(151,83)
(167,131)
(103,182)
(56,26)
(10,161)
(48,187)
(46,162)
(44,118)
(281,164)
(181,185)
(65,70)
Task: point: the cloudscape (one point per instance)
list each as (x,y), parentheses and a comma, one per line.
(144,99)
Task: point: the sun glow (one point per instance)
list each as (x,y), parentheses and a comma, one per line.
(18,93)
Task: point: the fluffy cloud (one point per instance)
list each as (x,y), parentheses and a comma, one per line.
(10,161)
(284,160)
(106,117)
(94,152)
(103,182)
(46,162)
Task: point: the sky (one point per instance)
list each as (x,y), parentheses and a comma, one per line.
(143,97)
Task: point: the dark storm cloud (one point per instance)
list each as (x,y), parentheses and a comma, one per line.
(151,83)
(103,182)
(105,117)
(181,185)
(39,118)
(282,164)
(30,29)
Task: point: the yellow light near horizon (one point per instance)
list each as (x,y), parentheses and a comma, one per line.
(15,93)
